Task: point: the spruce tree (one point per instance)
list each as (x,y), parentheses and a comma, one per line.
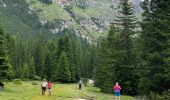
(64,45)
(38,55)
(64,72)
(48,66)
(6,71)
(31,67)
(25,72)
(125,24)
(104,72)
(69,52)
(117,58)
(155,39)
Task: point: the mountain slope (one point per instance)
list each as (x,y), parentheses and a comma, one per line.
(16,18)
(88,19)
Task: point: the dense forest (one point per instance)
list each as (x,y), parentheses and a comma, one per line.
(134,53)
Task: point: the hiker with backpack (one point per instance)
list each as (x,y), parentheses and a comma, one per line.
(117,89)
(80,84)
(43,86)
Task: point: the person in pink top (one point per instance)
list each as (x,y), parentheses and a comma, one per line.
(117,89)
(49,87)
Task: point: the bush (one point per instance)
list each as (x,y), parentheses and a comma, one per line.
(166,95)
(34,83)
(17,82)
(1,84)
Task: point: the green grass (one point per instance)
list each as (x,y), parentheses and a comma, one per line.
(27,91)
(48,12)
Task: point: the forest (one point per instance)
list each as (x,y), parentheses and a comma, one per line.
(136,54)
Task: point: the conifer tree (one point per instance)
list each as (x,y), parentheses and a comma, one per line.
(48,66)
(117,59)
(6,70)
(155,39)
(103,71)
(64,72)
(125,25)
(38,55)
(31,66)
(25,72)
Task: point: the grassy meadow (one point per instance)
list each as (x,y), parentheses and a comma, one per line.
(27,91)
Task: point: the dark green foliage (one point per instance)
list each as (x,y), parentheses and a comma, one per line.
(64,72)
(69,46)
(6,70)
(25,72)
(48,66)
(31,67)
(117,58)
(38,55)
(105,71)
(155,39)
(19,19)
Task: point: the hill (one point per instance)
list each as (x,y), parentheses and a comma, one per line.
(16,18)
(88,19)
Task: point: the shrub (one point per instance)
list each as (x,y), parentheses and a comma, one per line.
(34,83)
(17,82)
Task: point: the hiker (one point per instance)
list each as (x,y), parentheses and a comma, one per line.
(49,87)
(80,84)
(43,86)
(117,89)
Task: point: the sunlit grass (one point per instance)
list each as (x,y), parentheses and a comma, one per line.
(27,91)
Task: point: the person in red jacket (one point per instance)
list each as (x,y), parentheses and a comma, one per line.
(49,87)
(117,91)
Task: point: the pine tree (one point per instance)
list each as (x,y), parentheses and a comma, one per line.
(69,52)
(64,45)
(6,71)
(31,66)
(155,39)
(124,55)
(103,72)
(38,55)
(64,72)
(25,72)
(48,66)
(55,59)
(116,58)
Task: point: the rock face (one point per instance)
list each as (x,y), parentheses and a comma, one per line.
(88,19)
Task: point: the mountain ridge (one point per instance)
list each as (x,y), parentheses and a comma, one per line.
(88,19)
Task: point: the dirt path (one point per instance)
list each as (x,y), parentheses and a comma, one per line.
(46,96)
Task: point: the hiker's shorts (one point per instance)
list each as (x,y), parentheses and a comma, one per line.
(44,88)
(49,89)
(117,93)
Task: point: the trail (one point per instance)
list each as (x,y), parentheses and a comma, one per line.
(28,91)
(59,93)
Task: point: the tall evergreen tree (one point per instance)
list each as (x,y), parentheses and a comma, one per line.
(25,72)
(31,67)
(64,72)
(48,66)
(155,39)
(64,45)
(6,70)
(38,55)
(104,72)
(117,54)
(126,24)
